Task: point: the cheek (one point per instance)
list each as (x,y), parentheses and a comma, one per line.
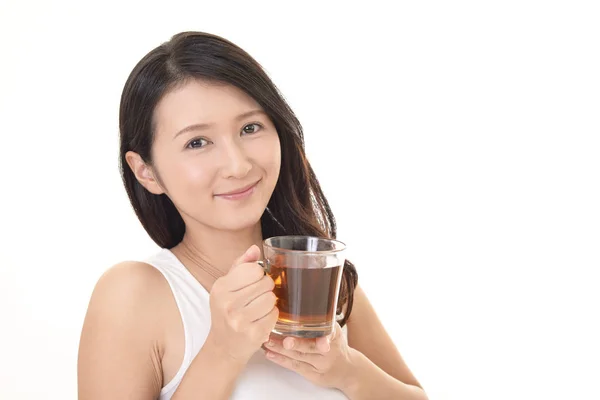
(196,173)
(274,163)
(270,157)
(188,175)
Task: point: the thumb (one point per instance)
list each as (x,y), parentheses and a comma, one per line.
(324,343)
(251,255)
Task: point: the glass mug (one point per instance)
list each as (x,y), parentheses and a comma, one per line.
(307,272)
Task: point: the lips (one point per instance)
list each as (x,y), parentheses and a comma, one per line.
(239,191)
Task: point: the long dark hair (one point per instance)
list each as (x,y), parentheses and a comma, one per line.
(297,206)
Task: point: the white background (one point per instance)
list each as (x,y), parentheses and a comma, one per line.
(458,144)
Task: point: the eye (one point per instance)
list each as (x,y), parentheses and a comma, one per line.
(197,143)
(251,128)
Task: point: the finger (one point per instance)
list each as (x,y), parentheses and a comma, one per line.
(303,368)
(251,255)
(270,319)
(316,360)
(244,296)
(323,344)
(244,271)
(246,275)
(259,307)
(267,323)
(334,336)
(318,345)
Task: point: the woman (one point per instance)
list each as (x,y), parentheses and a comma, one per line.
(213,161)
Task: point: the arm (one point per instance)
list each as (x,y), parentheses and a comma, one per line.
(378,371)
(212,372)
(371,382)
(121,342)
(119,356)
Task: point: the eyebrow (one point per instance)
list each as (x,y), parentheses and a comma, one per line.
(200,127)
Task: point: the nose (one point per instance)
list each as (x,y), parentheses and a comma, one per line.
(236,163)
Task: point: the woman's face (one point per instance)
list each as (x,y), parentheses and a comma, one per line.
(216,154)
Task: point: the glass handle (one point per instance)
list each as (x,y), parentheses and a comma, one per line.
(263,265)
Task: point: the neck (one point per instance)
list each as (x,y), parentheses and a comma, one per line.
(214,250)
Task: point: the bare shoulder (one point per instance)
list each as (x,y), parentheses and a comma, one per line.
(130,293)
(129,279)
(120,346)
(128,286)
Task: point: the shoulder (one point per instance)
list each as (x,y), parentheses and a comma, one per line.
(126,311)
(121,342)
(130,290)
(128,280)
(136,276)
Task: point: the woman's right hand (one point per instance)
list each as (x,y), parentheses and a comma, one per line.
(242,306)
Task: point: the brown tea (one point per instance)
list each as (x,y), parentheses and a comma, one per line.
(306,299)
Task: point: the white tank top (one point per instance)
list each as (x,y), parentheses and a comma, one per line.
(261,379)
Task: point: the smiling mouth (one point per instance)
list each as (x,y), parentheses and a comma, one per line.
(239,193)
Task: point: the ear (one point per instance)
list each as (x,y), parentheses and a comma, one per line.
(143,173)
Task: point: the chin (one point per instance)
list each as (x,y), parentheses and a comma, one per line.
(236,226)
(239,221)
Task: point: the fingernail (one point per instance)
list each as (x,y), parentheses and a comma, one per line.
(289,344)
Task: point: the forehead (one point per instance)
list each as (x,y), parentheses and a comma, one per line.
(199,101)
